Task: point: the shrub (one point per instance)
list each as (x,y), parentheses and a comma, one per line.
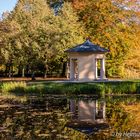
(16,87)
(120,88)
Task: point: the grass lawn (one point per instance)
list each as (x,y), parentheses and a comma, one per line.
(66,88)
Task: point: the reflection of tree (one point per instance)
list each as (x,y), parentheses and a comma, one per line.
(31,120)
(118,119)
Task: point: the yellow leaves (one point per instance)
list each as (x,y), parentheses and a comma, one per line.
(134,110)
(80,4)
(114,27)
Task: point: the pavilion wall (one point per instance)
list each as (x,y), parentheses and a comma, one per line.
(86,65)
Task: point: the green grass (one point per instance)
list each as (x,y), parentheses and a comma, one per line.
(15,87)
(102,88)
(125,87)
(66,89)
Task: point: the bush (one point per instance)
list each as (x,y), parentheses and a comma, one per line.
(16,87)
(121,88)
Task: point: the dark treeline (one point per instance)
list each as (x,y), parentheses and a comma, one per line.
(34,36)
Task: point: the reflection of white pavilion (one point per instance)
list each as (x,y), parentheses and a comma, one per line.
(88,111)
(87,62)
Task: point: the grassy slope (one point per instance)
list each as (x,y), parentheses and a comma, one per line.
(124,87)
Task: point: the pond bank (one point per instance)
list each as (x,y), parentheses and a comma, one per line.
(66,88)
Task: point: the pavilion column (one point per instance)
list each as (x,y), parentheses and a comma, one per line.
(103,68)
(71,69)
(68,71)
(96,69)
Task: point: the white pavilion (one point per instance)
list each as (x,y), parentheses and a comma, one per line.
(87,62)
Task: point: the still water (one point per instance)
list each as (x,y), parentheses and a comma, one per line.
(70,118)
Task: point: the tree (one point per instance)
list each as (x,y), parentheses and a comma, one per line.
(43,36)
(63,32)
(111,24)
(8,32)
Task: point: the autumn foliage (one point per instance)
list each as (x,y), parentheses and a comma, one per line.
(34,36)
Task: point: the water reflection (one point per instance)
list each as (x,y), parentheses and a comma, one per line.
(88,111)
(62,117)
(88,116)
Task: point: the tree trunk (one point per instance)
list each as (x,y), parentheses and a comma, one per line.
(9,73)
(33,76)
(6,71)
(27,69)
(23,72)
(12,70)
(46,70)
(45,74)
(19,70)
(63,74)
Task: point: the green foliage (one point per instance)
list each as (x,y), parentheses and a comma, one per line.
(16,87)
(97,89)
(32,37)
(138,88)
(66,89)
(42,37)
(121,88)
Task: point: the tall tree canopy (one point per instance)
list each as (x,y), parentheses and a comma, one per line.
(113,24)
(43,36)
(36,33)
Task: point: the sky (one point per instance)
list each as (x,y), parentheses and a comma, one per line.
(7,5)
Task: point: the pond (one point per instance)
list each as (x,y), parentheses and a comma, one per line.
(71,118)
